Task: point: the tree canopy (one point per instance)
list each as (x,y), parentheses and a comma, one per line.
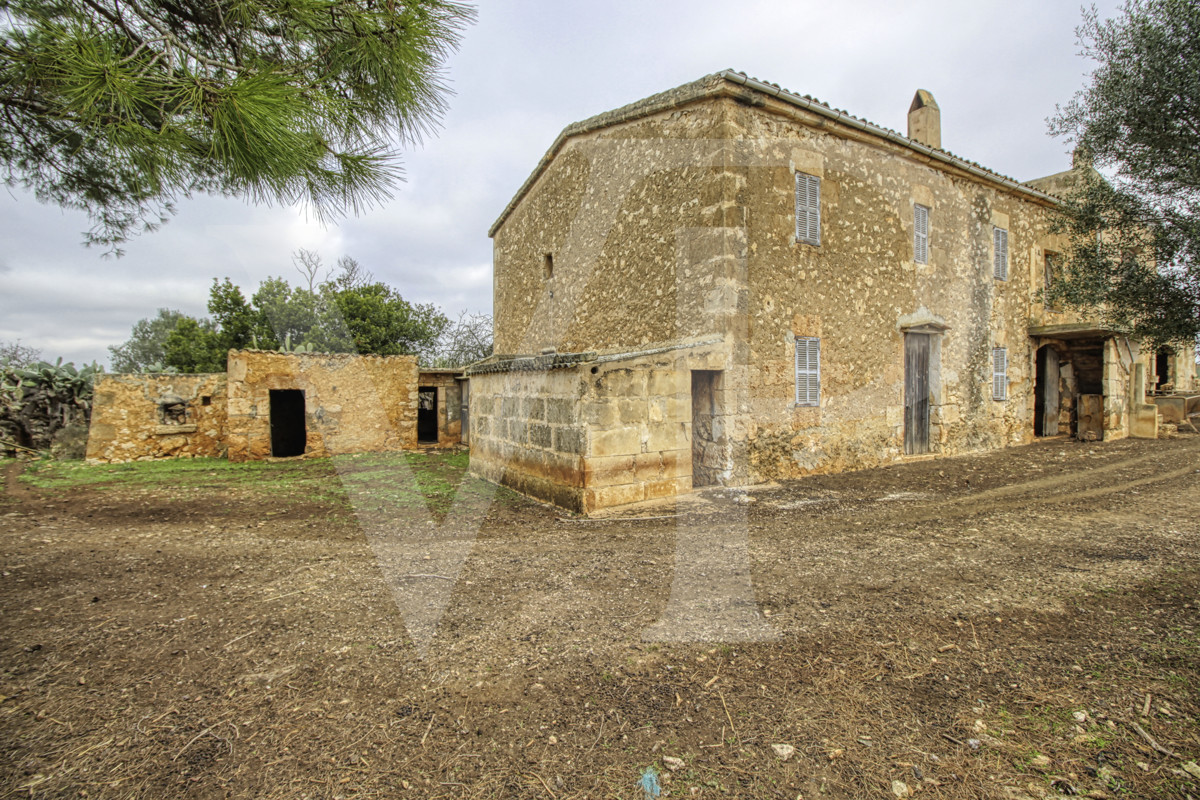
(145,350)
(119,107)
(1134,220)
(348,313)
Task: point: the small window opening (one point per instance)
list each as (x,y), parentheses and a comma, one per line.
(808,371)
(920,234)
(548,266)
(1051,269)
(172,411)
(205,400)
(999,373)
(808,209)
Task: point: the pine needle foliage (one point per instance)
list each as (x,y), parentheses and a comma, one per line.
(121,107)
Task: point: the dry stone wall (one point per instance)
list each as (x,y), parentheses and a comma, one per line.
(144,417)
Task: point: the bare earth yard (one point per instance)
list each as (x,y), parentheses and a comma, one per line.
(1020,624)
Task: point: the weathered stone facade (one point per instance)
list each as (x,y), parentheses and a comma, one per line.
(144,417)
(352,404)
(675,220)
(271,404)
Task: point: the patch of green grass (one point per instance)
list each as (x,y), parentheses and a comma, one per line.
(369,481)
(62,475)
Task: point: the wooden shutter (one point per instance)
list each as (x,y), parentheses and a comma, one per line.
(920,234)
(1000,253)
(808,209)
(808,371)
(999,373)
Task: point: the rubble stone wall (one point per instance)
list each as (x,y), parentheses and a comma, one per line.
(143,417)
(353,404)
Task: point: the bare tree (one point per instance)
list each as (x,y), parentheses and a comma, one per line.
(308,263)
(15,354)
(467,340)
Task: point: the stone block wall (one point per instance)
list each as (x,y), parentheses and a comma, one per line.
(144,417)
(528,432)
(638,419)
(352,403)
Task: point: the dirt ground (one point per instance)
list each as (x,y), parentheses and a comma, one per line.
(1019,624)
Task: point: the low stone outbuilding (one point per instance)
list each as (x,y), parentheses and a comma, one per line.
(272,404)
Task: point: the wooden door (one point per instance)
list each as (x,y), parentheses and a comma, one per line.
(1048,391)
(916,393)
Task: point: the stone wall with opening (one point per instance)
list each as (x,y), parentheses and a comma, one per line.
(143,417)
(351,403)
(589,431)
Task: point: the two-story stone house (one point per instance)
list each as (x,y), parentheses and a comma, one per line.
(728,283)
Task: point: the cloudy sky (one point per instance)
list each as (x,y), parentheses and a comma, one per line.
(526,69)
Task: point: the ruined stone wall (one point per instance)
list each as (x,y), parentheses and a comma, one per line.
(143,417)
(1181,367)
(352,403)
(527,432)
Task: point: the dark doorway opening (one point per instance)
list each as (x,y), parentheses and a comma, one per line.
(288,433)
(916,393)
(707,461)
(1046,408)
(465,412)
(427,421)
(1162,367)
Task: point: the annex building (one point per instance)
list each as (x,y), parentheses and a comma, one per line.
(728,283)
(276,405)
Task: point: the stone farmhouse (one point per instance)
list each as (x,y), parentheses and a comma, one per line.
(728,283)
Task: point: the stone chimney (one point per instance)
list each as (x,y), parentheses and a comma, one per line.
(925,120)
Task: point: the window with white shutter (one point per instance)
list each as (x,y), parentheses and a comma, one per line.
(1000,253)
(808,371)
(808,209)
(920,234)
(999,373)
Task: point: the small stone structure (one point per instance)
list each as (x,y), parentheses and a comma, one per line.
(347,403)
(729,283)
(271,404)
(593,430)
